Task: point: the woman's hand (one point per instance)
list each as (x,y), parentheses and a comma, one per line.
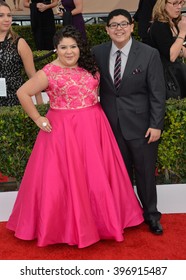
(182,26)
(41,7)
(44,124)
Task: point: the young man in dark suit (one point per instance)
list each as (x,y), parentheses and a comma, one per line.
(135,108)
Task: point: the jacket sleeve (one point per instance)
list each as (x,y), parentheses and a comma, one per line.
(157,91)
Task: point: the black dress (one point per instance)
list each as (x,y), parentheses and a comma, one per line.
(160,37)
(43,26)
(143,16)
(10,68)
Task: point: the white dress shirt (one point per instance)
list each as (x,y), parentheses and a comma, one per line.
(124,56)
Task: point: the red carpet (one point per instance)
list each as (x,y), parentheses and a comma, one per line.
(3,178)
(139,244)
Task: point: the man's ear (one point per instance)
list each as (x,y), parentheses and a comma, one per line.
(107,29)
(132,27)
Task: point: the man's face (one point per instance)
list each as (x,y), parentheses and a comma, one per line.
(119,30)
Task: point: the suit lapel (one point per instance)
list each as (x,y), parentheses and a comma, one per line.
(130,66)
(131,60)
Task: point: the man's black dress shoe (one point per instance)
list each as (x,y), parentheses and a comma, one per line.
(155,227)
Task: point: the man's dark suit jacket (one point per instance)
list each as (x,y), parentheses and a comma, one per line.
(139,103)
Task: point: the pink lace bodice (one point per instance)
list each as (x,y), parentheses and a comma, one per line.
(70,88)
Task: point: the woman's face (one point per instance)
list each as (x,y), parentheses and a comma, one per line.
(68,52)
(5,19)
(173,8)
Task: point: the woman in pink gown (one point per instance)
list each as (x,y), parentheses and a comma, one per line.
(75,189)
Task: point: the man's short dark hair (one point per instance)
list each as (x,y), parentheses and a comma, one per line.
(119,12)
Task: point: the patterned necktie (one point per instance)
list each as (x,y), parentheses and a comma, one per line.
(117,70)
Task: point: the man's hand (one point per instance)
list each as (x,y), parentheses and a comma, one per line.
(153,134)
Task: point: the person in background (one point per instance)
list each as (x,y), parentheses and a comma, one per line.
(14,54)
(17,5)
(168,34)
(80,191)
(42,22)
(143,16)
(75,8)
(132,95)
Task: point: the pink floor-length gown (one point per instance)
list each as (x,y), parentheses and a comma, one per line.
(75,189)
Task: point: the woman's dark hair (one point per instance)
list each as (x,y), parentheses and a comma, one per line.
(119,12)
(86,59)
